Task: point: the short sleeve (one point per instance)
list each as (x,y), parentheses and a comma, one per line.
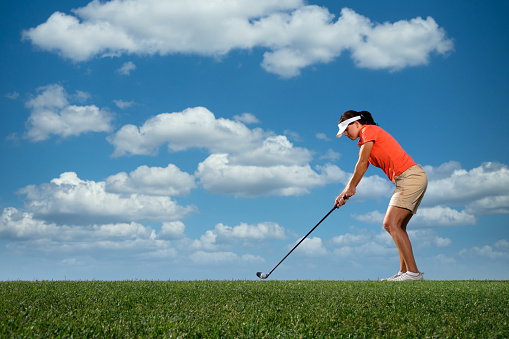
(368,133)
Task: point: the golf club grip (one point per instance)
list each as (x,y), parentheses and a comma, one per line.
(301,240)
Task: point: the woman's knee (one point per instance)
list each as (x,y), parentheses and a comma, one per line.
(387,225)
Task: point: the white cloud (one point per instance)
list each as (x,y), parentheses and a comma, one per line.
(368,243)
(373,217)
(246,118)
(461,187)
(223,236)
(81,96)
(123,104)
(489,205)
(12,95)
(439,216)
(502,245)
(443,171)
(373,187)
(172,230)
(16,225)
(218,175)
(363,244)
(400,44)
(351,239)
(330,155)
(219,258)
(480,191)
(274,150)
(310,247)
(31,235)
(70,200)
(427,238)
(193,128)
(244,162)
(152,181)
(499,251)
(370,249)
(261,231)
(126,68)
(294,35)
(443,260)
(322,136)
(51,113)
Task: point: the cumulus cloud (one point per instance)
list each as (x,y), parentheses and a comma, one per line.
(123,104)
(70,200)
(365,243)
(351,239)
(31,235)
(427,238)
(373,187)
(489,205)
(322,136)
(455,196)
(330,155)
(218,174)
(172,230)
(223,236)
(193,128)
(369,249)
(152,181)
(219,258)
(52,114)
(310,247)
(500,250)
(373,217)
(457,186)
(126,68)
(244,162)
(261,231)
(293,35)
(274,150)
(439,216)
(246,118)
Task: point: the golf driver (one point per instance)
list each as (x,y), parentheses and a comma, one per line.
(262,275)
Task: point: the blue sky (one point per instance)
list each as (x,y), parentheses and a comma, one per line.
(196,139)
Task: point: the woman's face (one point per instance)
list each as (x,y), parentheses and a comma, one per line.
(352,131)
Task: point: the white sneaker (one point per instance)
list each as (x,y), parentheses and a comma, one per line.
(392,278)
(408,277)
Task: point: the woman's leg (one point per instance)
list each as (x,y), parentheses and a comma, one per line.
(395,222)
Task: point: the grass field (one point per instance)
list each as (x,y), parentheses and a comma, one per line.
(254,309)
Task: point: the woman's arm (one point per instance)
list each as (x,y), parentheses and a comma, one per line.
(360,169)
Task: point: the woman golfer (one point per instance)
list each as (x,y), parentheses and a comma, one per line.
(379,148)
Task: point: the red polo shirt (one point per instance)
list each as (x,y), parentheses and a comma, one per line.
(386,154)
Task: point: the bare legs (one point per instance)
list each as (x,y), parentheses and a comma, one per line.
(395,222)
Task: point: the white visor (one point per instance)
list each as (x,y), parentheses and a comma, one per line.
(342,126)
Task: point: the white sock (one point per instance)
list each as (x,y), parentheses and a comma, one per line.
(400,273)
(412,274)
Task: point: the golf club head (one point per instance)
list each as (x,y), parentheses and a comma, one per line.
(262,275)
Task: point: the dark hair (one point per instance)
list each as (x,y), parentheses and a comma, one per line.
(366,118)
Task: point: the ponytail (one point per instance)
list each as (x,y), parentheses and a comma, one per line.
(366,118)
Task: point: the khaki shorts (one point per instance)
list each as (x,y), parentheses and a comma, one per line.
(410,188)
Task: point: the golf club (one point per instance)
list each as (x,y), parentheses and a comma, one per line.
(262,275)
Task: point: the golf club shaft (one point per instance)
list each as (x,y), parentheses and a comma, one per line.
(303,239)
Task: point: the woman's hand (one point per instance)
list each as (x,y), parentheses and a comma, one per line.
(344,196)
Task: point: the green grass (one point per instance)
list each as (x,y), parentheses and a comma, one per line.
(254,309)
